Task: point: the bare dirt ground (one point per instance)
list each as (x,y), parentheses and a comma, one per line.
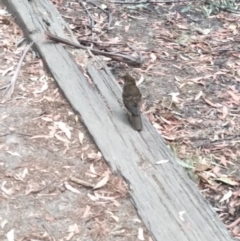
(190,83)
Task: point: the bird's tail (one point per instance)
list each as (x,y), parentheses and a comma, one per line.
(137,122)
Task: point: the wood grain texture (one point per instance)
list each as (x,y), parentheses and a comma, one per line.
(159,192)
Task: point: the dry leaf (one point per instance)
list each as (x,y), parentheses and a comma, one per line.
(198,95)
(93,198)
(175,99)
(202,167)
(114,217)
(223,160)
(226,196)
(105,197)
(3,12)
(80,137)
(140,80)
(102,183)
(181,26)
(118,232)
(224,112)
(211,103)
(10,235)
(234,96)
(153,57)
(126,28)
(196,80)
(48,119)
(85,148)
(86,212)
(70,188)
(7,70)
(3,223)
(205,178)
(41,136)
(65,128)
(73,228)
(69,237)
(92,169)
(76,118)
(14,153)
(95,156)
(5,190)
(93,173)
(60,138)
(182,57)
(24,173)
(43,88)
(140,234)
(203,31)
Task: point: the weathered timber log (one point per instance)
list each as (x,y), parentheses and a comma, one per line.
(169,204)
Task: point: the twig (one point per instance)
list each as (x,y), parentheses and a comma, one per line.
(19,42)
(95,58)
(106,12)
(12,133)
(105,44)
(41,189)
(10,87)
(81,182)
(116,56)
(90,18)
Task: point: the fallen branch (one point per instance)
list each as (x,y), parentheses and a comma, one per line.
(116,56)
(104,44)
(10,87)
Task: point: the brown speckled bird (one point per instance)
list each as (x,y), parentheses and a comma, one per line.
(132,100)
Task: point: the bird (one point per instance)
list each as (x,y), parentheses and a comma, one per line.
(132,99)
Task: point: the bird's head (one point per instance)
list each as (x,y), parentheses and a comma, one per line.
(128,79)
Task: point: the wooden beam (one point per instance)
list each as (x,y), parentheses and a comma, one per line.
(168,202)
